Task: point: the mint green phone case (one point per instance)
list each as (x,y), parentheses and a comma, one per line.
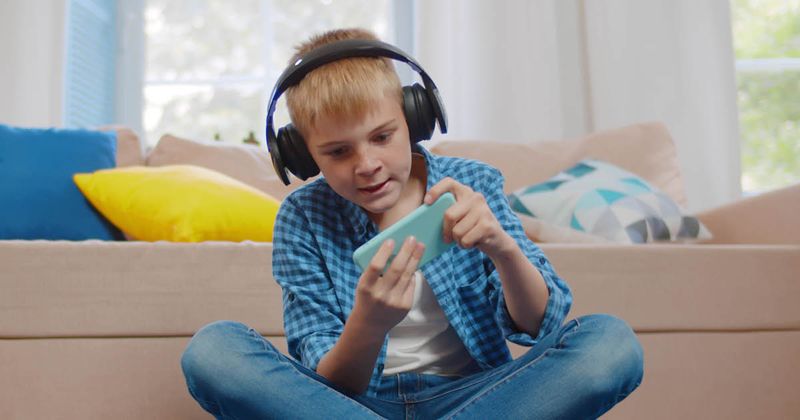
(425,224)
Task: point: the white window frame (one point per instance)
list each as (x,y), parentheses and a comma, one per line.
(129,96)
(763,65)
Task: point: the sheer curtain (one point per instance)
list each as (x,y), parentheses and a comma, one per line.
(520,71)
(496,64)
(32,47)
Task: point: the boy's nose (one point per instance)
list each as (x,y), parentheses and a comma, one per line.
(367,164)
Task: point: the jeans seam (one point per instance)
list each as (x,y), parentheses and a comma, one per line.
(258,336)
(570,332)
(399,386)
(452,390)
(302,375)
(515,373)
(340,395)
(505,379)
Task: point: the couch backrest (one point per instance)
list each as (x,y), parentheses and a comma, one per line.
(645,149)
(129,148)
(247,163)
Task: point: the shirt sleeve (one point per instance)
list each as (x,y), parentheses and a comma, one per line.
(311,314)
(560,299)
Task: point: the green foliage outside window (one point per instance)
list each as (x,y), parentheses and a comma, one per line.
(768,33)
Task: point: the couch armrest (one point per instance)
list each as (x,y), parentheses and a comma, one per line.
(769,218)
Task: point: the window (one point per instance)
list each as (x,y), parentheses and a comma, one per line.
(767,45)
(89,73)
(210,65)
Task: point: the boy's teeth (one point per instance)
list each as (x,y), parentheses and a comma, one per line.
(375,187)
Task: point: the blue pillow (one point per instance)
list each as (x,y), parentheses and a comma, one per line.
(39,198)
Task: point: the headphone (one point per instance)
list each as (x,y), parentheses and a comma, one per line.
(422,106)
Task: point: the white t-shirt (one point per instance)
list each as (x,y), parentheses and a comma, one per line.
(424,341)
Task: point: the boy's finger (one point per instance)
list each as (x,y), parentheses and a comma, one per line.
(413,260)
(401,259)
(378,261)
(412,265)
(419,251)
(463,225)
(452,217)
(472,238)
(441,187)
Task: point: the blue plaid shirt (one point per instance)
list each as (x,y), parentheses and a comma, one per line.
(317,230)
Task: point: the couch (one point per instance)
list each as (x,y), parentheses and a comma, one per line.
(95,329)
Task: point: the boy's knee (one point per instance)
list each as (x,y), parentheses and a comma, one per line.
(617,340)
(206,350)
(218,331)
(617,359)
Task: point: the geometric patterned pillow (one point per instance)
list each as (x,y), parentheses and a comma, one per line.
(601,199)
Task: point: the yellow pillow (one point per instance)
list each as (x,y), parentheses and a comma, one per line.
(180,203)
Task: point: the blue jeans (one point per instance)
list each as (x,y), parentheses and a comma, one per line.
(579,371)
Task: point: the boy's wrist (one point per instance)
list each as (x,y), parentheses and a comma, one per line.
(507,248)
(364,328)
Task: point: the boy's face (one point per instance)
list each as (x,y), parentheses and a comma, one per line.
(365,160)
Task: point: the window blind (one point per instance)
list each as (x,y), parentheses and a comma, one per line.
(89,80)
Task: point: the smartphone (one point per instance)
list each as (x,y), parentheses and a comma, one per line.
(424,223)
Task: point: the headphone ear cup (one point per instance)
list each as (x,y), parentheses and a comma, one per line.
(296,157)
(419,113)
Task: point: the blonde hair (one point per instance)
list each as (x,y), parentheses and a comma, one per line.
(346,88)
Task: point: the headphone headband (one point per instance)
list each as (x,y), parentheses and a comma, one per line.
(340,50)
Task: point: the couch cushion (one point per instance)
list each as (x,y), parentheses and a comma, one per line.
(181,203)
(767,218)
(645,149)
(684,287)
(93,288)
(249,164)
(39,199)
(711,375)
(95,378)
(129,148)
(540,231)
(602,199)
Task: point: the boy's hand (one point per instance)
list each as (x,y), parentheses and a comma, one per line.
(470,221)
(383,300)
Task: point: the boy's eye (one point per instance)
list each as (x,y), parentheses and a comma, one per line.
(339,151)
(383,137)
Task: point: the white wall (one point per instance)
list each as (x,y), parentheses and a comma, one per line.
(32,47)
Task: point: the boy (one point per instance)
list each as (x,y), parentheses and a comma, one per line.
(398,340)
